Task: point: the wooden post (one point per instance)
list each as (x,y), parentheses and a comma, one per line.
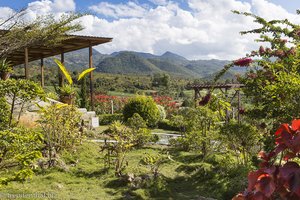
(227,111)
(42,73)
(239,106)
(197,95)
(60,75)
(26,64)
(91,77)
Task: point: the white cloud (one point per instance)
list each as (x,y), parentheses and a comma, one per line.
(271,11)
(130,9)
(5,12)
(159,2)
(44,7)
(207,29)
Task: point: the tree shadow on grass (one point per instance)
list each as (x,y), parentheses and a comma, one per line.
(93,174)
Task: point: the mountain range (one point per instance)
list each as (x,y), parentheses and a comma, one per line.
(139,63)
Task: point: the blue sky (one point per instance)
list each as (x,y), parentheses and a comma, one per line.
(196,29)
(290,5)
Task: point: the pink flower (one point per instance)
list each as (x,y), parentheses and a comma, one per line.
(243,62)
(261,50)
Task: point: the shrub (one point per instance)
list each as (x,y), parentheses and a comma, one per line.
(279,171)
(167,125)
(61,130)
(19,148)
(106,119)
(116,152)
(19,92)
(145,107)
(162,112)
(139,130)
(241,138)
(4,109)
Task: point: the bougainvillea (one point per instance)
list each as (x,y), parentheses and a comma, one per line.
(104,104)
(167,102)
(279,172)
(243,62)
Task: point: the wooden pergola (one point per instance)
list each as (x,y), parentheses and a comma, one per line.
(39,52)
(224,88)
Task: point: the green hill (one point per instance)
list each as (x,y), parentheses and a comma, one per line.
(127,63)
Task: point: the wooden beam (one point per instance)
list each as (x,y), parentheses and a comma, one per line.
(42,73)
(26,64)
(91,77)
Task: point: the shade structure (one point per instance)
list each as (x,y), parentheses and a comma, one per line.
(39,52)
(73,43)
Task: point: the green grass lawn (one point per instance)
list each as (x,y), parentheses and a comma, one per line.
(88,179)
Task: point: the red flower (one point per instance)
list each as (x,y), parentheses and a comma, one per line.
(243,62)
(242,111)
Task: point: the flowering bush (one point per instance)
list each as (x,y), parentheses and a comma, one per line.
(103,104)
(279,172)
(167,102)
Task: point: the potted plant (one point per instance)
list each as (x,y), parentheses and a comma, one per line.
(67,92)
(5,69)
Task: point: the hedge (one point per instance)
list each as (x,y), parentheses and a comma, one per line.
(106,119)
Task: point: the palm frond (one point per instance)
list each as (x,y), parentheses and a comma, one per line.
(85,72)
(64,71)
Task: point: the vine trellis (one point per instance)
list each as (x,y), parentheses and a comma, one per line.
(224,88)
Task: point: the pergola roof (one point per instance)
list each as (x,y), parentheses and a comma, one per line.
(75,42)
(219,86)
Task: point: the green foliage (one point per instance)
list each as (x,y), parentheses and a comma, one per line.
(106,119)
(19,149)
(162,113)
(19,92)
(139,129)
(167,125)
(116,153)
(4,110)
(5,66)
(161,80)
(145,107)
(241,138)
(61,130)
(198,127)
(154,162)
(66,90)
(83,94)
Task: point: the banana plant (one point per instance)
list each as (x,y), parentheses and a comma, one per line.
(67,90)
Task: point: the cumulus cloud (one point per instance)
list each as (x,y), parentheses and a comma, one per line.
(159,2)
(43,7)
(208,30)
(130,9)
(5,12)
(202,30)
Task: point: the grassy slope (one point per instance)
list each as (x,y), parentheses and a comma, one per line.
(87,180)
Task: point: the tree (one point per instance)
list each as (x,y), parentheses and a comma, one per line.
(19,92)
(273,79)
(19,33)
